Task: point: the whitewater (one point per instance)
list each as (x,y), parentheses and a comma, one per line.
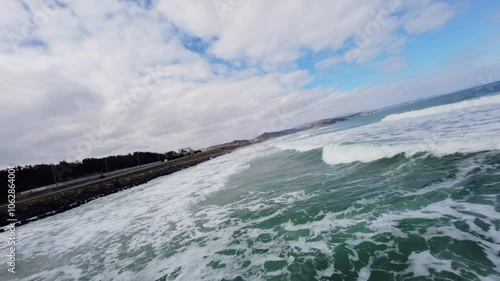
(408,193)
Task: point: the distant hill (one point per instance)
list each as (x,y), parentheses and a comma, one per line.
(277,134)
(231,144)
(303,127)
(325,122)
(307,126)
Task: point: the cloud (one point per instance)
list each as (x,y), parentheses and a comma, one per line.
(426,16)
(394,64)
(179,73)
(328,62)
(270,33)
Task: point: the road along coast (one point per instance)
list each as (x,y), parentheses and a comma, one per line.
(38,206)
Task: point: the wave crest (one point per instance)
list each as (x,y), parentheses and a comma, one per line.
(334,154)
(444,108)
(298,147)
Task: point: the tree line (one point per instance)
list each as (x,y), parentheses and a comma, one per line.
(33,176)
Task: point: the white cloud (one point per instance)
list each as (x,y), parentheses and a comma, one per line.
(394,64)
(328,62)
(13,14)
(427,16)
(272,32)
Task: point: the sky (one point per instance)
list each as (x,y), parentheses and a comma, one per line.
(94,78)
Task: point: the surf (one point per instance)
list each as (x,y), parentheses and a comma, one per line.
(334,154)
(463,105)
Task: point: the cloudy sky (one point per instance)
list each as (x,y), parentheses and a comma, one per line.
(94,78)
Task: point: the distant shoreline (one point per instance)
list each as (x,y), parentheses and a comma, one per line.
(35,207)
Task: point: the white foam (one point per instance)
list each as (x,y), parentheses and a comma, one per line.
(423,261)
(347,153)
(328,272)
(445,108)
(292,197)
(364,274)
(298,148)
(464,131)
(152,216)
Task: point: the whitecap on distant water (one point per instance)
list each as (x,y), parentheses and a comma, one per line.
(464,105)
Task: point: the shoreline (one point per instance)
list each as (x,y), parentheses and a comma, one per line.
(45,205)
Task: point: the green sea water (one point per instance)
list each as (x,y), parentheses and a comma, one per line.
(391,219)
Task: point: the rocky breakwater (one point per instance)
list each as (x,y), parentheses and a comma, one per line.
(36,207)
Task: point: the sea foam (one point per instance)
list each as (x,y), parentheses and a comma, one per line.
(347,153)
(445,108)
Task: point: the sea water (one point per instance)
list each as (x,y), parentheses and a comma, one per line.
(406,193)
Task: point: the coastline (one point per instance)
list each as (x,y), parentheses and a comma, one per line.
(38,207)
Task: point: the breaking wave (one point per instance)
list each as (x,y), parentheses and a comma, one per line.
(334,154)
(298,148)
(445,108)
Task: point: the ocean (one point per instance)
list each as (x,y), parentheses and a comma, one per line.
(407,193)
